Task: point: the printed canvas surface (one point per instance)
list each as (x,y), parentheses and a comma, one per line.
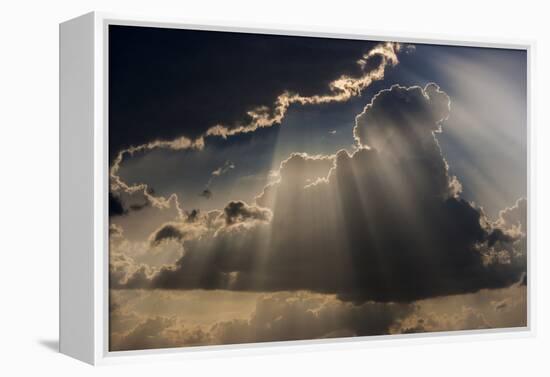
(272,188)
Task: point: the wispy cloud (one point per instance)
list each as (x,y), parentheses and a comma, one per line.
(373,66)
(227,166)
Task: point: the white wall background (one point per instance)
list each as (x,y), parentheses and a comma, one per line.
(29,184)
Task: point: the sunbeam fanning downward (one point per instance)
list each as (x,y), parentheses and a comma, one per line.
(428,242)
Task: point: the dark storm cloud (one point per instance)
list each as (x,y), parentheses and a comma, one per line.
(385,224)
(166,83)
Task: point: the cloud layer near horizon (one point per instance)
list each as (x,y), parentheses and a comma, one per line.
(153,319)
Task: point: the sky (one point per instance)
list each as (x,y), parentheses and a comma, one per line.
(272,188)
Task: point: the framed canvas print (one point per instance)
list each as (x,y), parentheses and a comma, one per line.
(225,187)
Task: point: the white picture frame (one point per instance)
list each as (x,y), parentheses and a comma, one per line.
(84,191)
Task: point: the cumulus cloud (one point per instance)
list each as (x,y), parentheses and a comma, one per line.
(197,224)
(514,219)
(384,224)
(296,172)
(401,120)
(133,263)
(239,211)
(194,225)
